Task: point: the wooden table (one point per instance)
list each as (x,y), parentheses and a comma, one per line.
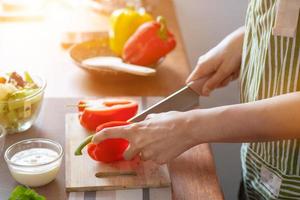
(193,173)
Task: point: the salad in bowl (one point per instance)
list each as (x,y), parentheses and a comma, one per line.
(21,97)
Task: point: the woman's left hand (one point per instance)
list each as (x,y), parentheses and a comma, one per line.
(160,137)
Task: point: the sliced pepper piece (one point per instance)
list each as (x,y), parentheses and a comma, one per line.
(123,23)
(2,80)
(149,43)
(107,151)
(99,112)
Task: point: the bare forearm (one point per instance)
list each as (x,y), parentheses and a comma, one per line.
(270,119)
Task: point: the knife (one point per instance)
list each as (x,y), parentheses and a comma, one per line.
(183,99)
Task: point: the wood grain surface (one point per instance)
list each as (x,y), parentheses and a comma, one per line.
(81,170)
(193,173)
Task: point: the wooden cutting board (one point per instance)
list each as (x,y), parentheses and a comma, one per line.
(81,170)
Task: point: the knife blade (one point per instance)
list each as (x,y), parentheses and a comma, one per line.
(183,99)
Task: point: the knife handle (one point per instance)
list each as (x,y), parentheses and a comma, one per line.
(197,85)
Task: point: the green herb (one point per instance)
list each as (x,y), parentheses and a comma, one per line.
(23,193)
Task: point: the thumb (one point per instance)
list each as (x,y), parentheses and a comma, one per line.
(130,152)
(152,115)
(110,133)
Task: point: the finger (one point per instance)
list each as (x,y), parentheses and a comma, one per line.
(146,154)
(226,81)
(154,152)
(150,116)
(214,81)
(160,160)
(130,152)
(110,133)
(236,75)
(155,115)
(197,85)
(205,67)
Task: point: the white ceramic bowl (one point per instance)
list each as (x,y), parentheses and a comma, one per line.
(27,164)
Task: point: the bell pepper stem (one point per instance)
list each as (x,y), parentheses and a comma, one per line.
(163,31)
(78,151)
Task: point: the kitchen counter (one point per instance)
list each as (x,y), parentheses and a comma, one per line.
(192,174)
(36,47)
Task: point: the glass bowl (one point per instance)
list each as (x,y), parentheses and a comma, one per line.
(2,138)
(34,162)
(19,115)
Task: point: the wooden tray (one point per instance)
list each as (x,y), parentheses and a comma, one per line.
(99,46)
(93,48)
(81,170)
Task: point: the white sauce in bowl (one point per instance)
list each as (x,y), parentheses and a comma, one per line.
(35,167)
(34,156)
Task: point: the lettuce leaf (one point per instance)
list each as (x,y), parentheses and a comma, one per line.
(23,193)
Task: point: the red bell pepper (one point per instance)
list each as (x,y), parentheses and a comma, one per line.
(95,113)
(107,151)
(149,43)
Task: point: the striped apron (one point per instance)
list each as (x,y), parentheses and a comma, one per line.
(270,67)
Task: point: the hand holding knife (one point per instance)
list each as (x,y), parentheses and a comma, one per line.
(183,99)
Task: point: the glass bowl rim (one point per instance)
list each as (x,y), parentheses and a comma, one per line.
(2,132)
(39,91)
(56,144)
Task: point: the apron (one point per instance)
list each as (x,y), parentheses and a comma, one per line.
(270,67)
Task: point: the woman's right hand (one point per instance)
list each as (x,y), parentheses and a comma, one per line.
(221,64)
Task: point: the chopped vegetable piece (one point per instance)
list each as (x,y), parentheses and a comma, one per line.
(22,93)
(28,78)
(6,90)
(23,193)
(16,79)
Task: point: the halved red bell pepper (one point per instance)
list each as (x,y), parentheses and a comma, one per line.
(107,151)
(95,113)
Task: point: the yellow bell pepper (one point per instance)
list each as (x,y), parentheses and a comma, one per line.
(123,23)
